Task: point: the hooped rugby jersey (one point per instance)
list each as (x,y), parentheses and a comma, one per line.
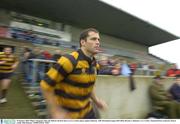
(72,80)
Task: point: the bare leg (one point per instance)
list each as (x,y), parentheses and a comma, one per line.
(4,87)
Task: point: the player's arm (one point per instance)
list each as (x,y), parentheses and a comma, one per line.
(99,102)
(55,75)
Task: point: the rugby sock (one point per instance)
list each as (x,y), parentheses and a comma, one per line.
(3,93)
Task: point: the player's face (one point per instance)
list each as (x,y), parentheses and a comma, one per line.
(8,51)
(92,43)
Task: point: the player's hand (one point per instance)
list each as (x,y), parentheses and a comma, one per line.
(101,104)
(60,115)
(2,62)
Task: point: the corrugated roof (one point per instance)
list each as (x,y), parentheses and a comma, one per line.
(93,13)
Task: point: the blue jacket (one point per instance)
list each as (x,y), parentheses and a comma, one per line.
(175,91)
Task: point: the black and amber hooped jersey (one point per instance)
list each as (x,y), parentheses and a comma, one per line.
(9,61)
(72,80)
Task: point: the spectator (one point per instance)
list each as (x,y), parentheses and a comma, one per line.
(37,53)
(133,67)
(46,55)
(116,69)
(145,68)
(125,70)
(105,69)
(161,100)
(27,54)
(173,71)
(113,60)
(175,89)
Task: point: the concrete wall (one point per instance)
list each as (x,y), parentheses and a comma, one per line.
(123,103)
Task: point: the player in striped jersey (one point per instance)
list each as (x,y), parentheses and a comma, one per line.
(8,63)
(68,85)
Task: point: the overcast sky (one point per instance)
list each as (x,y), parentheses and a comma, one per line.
(162,13)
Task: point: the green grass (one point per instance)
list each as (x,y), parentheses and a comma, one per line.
(18,105)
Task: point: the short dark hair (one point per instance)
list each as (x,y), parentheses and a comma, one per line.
(85,33)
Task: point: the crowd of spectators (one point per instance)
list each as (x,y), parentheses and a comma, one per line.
(29,55)
(165,102)
(173,71)
(111,65)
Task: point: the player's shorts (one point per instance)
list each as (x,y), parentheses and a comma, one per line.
(5,75)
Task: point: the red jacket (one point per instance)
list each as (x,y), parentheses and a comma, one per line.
(173,72)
